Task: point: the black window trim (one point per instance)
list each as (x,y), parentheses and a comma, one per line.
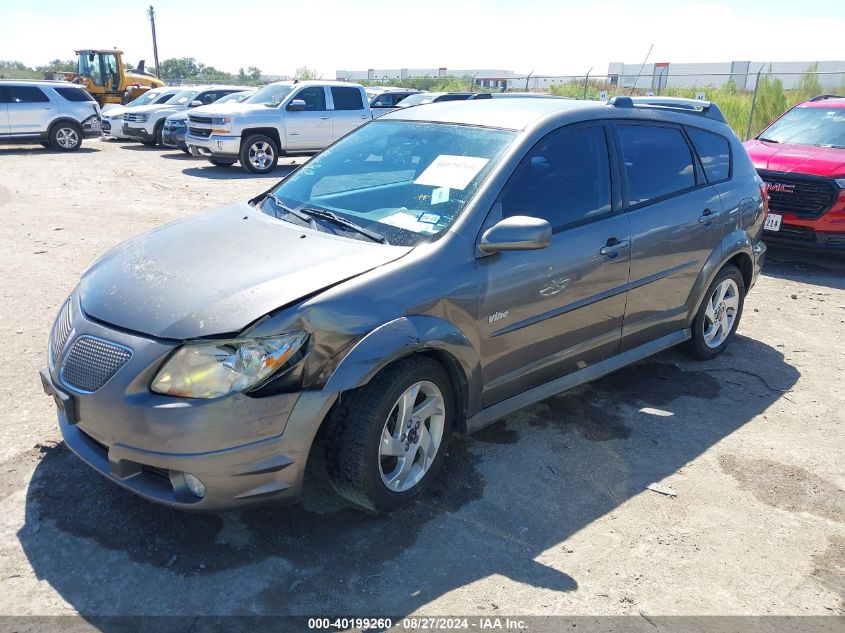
(615,176)
(700,179)
(8,94)
(730,153)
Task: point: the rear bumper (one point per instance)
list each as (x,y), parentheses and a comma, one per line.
(91,127)
(759,254)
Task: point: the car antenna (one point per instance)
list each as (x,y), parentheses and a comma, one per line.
(641,69)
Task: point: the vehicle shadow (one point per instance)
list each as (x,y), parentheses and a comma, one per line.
(506,496)
(234,172)
(821,268)
(37,149)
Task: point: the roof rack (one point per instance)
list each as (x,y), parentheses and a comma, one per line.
(823,97)
(706,109)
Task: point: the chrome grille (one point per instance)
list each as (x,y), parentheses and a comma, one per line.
(802,195)
(135,118)
(199,132)
(61,330)
(91,362)
(196,118)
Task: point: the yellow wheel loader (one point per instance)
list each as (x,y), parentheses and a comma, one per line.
(103,74)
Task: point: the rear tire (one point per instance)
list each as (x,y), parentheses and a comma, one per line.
(65,136)
(718,316)
(259,154)
(386,441)
(219,162)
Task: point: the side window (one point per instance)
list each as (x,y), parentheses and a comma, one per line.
(347,98)
(26,94)
(564,179)
(314,98)
(208,97)
(74,94)
(714,150)
(658,161)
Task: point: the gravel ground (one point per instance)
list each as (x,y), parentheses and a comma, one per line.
(543,513)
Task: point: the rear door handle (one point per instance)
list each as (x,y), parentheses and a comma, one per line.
(612,248)
(706,217)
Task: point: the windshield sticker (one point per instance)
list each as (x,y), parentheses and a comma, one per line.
(441,194)
(454,172)
(429,218)
(404,220)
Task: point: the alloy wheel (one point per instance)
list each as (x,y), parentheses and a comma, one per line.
(411,436)
(720,313)
(261,155)
(67,137)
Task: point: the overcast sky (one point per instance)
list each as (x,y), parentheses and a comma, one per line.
(544,36)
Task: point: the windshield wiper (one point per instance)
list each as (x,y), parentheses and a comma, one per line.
(285,208)
(767,140)
(336,219)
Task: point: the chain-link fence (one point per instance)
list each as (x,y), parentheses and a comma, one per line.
(750,100)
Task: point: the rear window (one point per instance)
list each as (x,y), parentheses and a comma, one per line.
(714,150)
(347,98)
(74,94)
(658,162)
(26,94)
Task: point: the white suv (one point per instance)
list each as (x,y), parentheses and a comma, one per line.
(55,114)
(145,123)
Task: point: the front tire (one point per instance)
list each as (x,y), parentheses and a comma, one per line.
(259,154)
(219,162)
(718,317)
(66,137)
(386,441)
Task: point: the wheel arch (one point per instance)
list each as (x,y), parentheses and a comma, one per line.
(272,132)
(66,120)
(735,249)
(406,336)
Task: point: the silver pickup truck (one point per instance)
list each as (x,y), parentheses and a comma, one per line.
(282,117)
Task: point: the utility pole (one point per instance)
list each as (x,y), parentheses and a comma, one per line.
(152,14)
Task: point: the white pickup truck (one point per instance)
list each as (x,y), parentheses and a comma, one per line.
(282,117)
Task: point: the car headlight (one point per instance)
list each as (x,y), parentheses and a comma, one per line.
(840,182)
(210,369)
(221,124)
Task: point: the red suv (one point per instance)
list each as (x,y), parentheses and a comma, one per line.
(801,156)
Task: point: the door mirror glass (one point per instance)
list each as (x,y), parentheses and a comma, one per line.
(516,233)
(297,105)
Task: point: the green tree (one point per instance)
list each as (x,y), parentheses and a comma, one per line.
(241,75)
(809,84)
(303,73)
(254,73)
(178,69)
(771,102)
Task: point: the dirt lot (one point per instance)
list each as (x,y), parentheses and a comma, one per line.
(543,513)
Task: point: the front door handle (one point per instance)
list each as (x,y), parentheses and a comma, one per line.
(324,118)
(612,248)
(706,217)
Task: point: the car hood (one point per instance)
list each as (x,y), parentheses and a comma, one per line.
(805,159)
(216,272)
(178,116)
(230,108)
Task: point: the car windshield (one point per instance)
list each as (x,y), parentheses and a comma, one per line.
(406,180)
(186,96)
(144,99)
(809,126)
(418,99)
(235,96)
(270,95)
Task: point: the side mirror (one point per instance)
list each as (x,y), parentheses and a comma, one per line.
(297,105)
(516,233)
(195,103)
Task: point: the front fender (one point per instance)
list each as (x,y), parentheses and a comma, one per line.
(404,336)
(734,243)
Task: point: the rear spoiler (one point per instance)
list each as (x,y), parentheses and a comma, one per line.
(706,109)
